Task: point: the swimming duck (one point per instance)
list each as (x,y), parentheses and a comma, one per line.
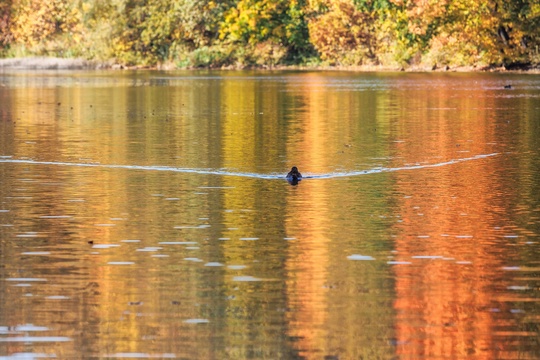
(294,176)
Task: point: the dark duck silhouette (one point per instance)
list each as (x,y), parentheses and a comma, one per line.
(294,176)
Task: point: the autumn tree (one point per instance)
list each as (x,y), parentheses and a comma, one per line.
(343,34)
(43,26)
(271,31)
(517,28)
(210,33)
(467,36)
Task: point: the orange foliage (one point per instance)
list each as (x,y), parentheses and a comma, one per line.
(343,35)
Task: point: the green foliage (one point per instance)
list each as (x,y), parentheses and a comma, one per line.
(207,57)
(202,33)
(143,31)
(272,31)
(296,39)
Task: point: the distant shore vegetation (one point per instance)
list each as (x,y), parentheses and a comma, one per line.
(274,33)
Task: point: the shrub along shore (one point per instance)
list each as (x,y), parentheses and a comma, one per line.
(54,63)
(440,35)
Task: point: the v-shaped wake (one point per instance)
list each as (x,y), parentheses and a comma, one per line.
(6,159)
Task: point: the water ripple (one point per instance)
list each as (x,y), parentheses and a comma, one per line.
(6,159)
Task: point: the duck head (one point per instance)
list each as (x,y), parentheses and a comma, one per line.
(294,176)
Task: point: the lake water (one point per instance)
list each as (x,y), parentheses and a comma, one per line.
(146,215)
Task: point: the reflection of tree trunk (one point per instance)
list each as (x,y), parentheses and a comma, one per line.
(503,34)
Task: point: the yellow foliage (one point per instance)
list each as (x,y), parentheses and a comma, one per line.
(38,21)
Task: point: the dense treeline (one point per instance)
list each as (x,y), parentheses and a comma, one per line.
(193,33)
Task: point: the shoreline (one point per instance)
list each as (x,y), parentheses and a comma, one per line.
(54,63)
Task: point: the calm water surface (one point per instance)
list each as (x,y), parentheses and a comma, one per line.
(145,214)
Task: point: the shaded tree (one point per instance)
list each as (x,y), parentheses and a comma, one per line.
(272,30)
(5,21)
(517,24)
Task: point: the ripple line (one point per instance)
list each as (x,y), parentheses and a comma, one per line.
(411,167)
(6,159)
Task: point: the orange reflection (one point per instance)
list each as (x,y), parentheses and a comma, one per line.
(449,215)
(309,260)
(313,300)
